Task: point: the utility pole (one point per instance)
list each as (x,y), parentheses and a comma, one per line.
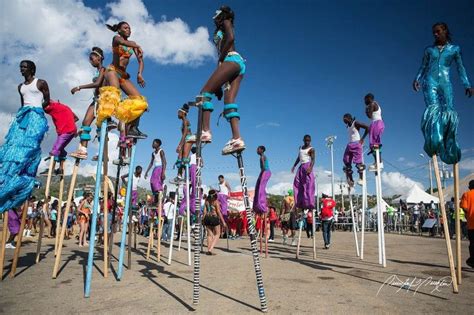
(330,144)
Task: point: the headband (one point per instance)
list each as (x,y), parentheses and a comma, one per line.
(218,12)
(97,53)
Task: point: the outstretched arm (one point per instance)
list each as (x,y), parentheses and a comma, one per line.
(93,85)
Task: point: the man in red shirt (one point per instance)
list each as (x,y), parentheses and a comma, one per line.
(65,122)
(467,203)
(327,218)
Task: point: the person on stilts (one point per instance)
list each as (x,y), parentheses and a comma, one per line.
(185,144)
(158,175)
(376,129)
(354,151)
(20,154)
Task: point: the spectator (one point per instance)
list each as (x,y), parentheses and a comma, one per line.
(272,215)
(327,218)
(169,209)
(467,203)
(13,227)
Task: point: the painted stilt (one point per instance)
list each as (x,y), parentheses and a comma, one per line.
(126,212)
(266,235)
(16,255)
(354,225)
(45,207)
(378,180)
(188,215)
(261,235)
(70,196)
(150,237)
(114,211)
(457,223)
(364,207)
(170,255)
(4,242)
(252,235)
(106,206)
(445,226)
(95,210)
(58,224)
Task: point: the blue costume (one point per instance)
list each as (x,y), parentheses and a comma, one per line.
(440,120)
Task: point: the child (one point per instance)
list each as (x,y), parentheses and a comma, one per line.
(212,219)
(135,180)
(13,227)
(96,57)
(184,146)
(374,112)
(260,200)
(85,209)
(158,161)
(353,152)
(65,122)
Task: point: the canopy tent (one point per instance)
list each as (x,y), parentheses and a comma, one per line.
(415,195)
(463,186)
(384,207)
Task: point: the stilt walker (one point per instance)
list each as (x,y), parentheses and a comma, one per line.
(4,241)
(16,255)
(45,208)
(440,120)
(95,210)
(128,198)
(354,224)
(70,197)
(173,223)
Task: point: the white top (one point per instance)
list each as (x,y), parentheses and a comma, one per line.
(223,189)
(304,155)
(30,210)
(193,159)
(157,158)
(353,133)
(135,182)
(377,115)
(169,209)
(32,96)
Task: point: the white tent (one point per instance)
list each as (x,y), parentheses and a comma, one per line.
(415,195)
(384,207)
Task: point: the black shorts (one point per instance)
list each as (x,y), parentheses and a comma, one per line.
(211,220)
(293,221)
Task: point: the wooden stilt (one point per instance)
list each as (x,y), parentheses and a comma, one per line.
(150,237)
(445,220)
(58,218)
(314,234)
(45,207)
(106,207)
(300,223)
(134,235)
(19,239)
(173,222)
(70,196)
(457,223)
(160,225)
(4,242)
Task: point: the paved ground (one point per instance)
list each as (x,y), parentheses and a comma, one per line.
(337,281)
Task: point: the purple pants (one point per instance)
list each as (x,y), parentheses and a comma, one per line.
(155,180)
(13,222)
(375,133)
(192,201)
(260,199)
(353,153)
(222,198)
(60,144)
(304,187)
(134,197)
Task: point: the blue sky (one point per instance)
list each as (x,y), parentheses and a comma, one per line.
(308,63)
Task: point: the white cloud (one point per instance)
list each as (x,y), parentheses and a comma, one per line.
(397,183)
(467,165)
(57,36)
(401,159)
(268,124)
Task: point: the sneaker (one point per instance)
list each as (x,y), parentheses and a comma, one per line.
(10,246)
(125,161)
(270,240)
(285,239)
(81,153)
(233,146)
(293,242)
(133,132)
(206,136)
(59,172)
(25,232)
(177,180)
(373,167)
(28,233)
(360,182)
(191,139)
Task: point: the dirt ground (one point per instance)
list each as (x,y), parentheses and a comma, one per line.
(337,281)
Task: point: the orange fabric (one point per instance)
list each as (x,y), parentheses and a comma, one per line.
(123,51)
(122,74)
(467,203)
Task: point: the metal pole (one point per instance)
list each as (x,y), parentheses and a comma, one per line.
(332,172)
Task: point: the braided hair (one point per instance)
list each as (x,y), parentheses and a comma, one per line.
(114,28)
